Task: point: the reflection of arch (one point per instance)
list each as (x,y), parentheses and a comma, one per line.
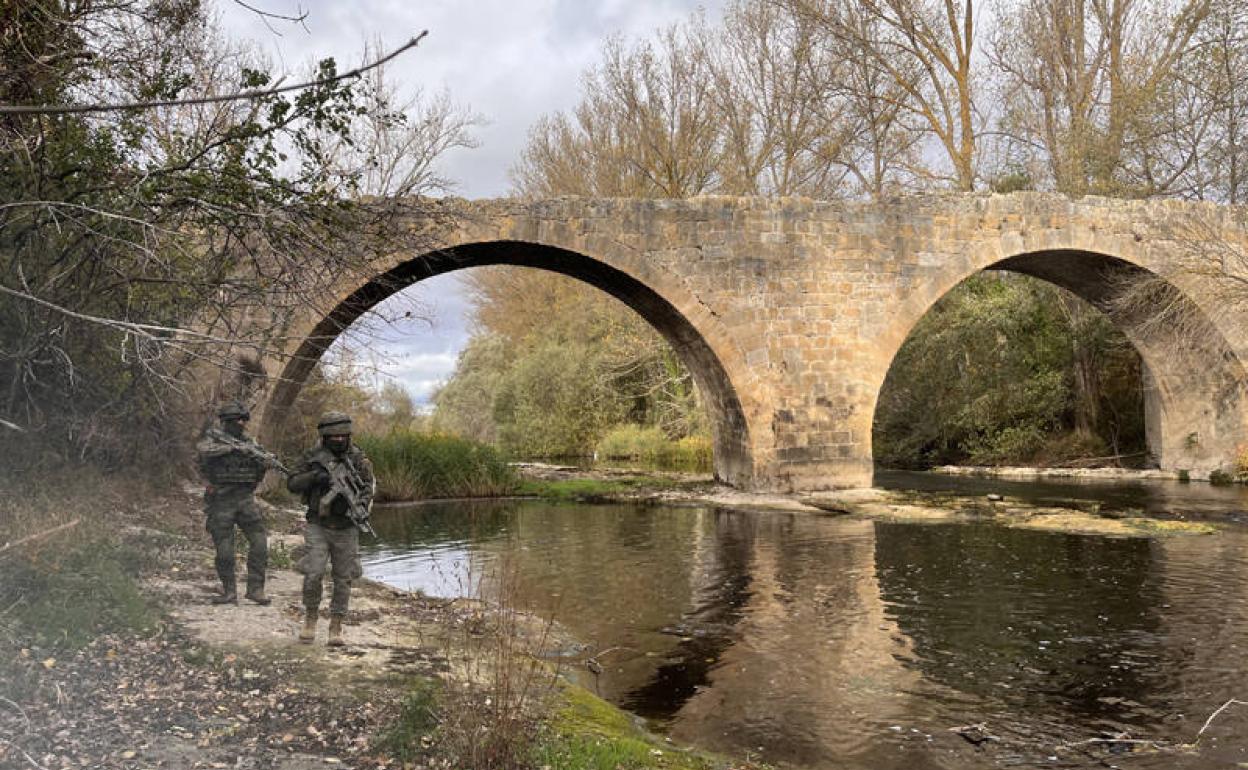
(1194,384)
(732,455)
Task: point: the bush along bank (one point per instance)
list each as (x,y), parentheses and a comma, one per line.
(411,465)
(650,446)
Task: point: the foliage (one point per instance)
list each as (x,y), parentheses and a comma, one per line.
(415,466)
(652,447)
(1125,98)
(131,241)
(1219,477)
(555,364)
(343,381)
(987,377)
(550,404)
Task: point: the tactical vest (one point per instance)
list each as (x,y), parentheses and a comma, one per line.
(232,468)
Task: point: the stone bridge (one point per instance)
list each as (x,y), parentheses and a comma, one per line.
(789,312)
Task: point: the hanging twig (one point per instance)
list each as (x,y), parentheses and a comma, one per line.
(63,109)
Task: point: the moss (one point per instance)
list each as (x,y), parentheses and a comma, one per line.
(587,733)
(583,712)
(1134,526)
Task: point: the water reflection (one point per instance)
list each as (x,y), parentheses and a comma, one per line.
(1063,626)
(851,644)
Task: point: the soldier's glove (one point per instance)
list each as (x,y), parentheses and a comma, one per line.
(322,477)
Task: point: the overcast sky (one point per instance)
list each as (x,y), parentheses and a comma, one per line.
(510,61)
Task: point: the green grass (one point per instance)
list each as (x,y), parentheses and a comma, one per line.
(410,465)
(417,720)
(68,597)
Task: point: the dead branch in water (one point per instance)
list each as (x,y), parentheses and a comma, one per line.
(1214,715)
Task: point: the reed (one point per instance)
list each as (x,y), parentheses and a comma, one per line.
(411,465)
(651,447)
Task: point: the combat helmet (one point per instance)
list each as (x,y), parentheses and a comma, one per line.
(233,410)
(334,424)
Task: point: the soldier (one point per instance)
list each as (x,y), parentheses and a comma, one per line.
(331,534)
(233,464)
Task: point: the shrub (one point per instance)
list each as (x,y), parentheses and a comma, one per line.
(410,465)
(632,442)
(649,445)
(1220,477)
(1241,460)
(689,453)
(416,722)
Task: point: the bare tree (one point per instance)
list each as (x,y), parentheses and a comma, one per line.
(393,147)
(1214,80)
(1091,86)
(785,129)
(645,127)
(925,48)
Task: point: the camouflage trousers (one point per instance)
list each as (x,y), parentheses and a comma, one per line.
(339,548)
(225,512)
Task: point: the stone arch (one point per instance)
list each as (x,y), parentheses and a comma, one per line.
(703,350)
(1194,385)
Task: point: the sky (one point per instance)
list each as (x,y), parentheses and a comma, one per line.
(510,61)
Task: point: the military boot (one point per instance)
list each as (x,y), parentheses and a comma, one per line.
(257,595)
(335,632)
(308,633)
(228,595)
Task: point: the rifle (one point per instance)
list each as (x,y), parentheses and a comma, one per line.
(252,450)
(345,483)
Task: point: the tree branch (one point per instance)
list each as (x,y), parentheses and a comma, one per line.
(63,109)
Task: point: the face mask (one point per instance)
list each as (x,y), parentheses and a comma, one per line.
(233,427)
(337,444)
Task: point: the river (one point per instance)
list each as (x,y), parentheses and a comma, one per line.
(826,642)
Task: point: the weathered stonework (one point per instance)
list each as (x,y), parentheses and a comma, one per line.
(789,312)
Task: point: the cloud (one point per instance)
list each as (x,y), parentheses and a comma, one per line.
(509,60)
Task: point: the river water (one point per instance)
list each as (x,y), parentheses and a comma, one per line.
(824,642)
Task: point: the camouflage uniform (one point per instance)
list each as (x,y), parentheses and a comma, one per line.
(331,537)
(229,501)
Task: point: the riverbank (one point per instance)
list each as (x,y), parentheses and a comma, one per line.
(112,655)
(1099,474)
